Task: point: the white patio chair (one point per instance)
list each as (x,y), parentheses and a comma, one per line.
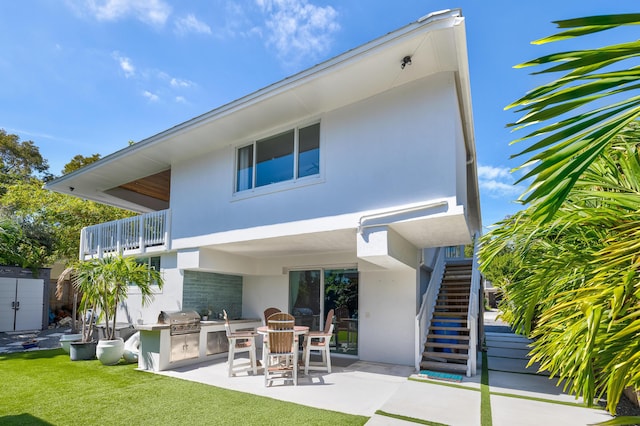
(240,341)
(319,341)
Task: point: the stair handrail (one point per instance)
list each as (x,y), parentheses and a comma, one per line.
(427,306)
(474,310)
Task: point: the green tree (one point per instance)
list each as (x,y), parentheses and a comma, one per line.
(560,152)
(62,215)
(577,291)
(17,248)
(43,225)
(19,160)
(78,162)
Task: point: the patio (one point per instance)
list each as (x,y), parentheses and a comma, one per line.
(354,387)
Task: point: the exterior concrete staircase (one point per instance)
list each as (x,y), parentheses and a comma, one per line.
(447,345)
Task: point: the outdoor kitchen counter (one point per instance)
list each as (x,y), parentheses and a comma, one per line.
(156,344)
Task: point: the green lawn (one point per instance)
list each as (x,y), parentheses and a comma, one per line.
(46,388)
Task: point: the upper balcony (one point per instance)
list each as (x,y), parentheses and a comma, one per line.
(146,233)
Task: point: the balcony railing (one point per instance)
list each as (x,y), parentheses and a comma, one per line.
(133,235)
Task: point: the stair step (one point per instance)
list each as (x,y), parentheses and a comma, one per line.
(452,294)
(443,366)
(446,345)
(448,320)
(453,307)
(448,336)
(458,329)
(444,355)
(456,302)
(451,314)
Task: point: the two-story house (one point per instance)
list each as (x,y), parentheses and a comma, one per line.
(338,187)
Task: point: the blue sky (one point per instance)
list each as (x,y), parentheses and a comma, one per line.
(87,76)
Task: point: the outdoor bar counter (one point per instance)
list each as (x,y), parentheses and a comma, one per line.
(159,350)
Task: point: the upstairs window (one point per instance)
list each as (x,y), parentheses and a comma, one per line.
(283,157)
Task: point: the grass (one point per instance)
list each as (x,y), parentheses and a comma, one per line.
(46,388)
(485,393)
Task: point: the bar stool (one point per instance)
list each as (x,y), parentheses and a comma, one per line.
(319,341)
(240,341)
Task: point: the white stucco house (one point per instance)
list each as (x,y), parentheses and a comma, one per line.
(342,186)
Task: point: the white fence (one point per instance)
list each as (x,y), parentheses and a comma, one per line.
(138,234)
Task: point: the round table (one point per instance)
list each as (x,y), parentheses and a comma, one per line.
(298,330)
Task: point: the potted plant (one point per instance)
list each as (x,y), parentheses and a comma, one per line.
(116,275)
(82,346)
(104,284)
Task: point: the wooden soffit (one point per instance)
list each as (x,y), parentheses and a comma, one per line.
(156,186)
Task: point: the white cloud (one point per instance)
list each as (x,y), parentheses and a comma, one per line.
(297,27)
(191,24)
(490,172)
(498,182)
(151,96)
(125,64)
(177,83)
(181,100)
(153,12)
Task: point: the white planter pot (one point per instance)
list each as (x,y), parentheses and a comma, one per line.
(109,352)
(66,339)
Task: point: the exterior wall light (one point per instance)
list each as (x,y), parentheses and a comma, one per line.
(405,61)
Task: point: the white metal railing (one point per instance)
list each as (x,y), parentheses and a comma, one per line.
(130,235)
(423,319)
(474,311)
(454,252)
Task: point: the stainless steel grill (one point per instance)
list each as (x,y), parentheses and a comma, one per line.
(184,327)
(180,322)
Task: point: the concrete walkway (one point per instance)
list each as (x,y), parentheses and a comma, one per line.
(518,396)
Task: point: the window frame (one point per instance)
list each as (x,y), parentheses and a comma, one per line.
(146,260)
(270,187)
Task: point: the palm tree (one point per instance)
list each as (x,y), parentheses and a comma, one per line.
(117,275)
(84,283)
(105,282)
(560,152)
(578,290)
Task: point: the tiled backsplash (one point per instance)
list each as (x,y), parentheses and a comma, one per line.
(206,291)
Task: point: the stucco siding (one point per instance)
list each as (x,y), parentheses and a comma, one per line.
(387,317)
(395,148)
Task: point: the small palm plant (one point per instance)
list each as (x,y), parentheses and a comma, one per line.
(104,284)
(84,282)
(116,275)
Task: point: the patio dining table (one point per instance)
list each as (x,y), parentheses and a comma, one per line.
(298,330)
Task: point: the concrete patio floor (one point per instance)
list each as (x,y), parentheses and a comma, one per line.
(517,394)
(352,387)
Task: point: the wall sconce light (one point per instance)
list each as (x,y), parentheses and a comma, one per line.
(405,61)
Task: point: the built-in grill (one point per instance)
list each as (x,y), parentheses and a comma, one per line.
(180,322)
(184,328)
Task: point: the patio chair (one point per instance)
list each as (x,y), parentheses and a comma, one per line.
(268,312)
(343,324)
(240,341)
(319,341)
(280,350)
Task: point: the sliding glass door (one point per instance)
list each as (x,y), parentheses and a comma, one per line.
(313,293)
